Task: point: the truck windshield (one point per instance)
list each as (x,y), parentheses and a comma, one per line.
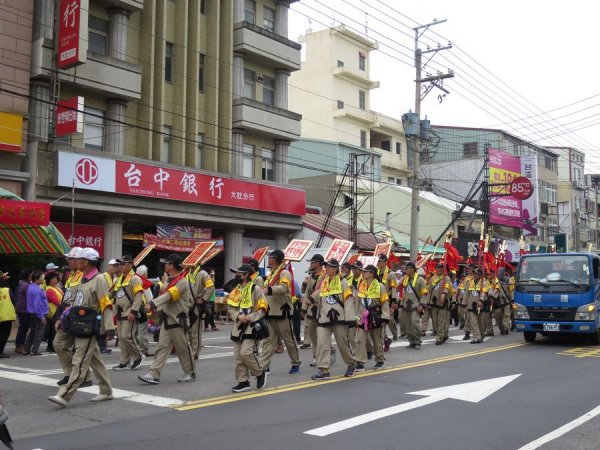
(564,273)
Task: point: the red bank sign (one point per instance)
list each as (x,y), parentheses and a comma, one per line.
(132,178)
(69,116)
(72,33)
(81,235)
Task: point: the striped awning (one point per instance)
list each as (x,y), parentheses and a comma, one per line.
(25,239)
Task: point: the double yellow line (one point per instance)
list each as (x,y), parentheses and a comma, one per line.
(197,404)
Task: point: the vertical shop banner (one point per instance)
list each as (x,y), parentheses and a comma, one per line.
(69,117)
(72,33)
(83,235)
(11,132)
(506,209)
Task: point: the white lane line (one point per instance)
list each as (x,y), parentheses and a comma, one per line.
(562,430)
(131,396)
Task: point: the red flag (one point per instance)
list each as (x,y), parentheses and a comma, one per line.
(452,256)
(293,287)
(146,283)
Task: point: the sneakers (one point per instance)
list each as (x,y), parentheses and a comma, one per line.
(101,398)
(187,378)
(476,341)
(87,383)
(322,375)
(313,363)
(378,365)
(386,344)
(467,336)
(268,370)
(120,367)
(359,367)
(58,400)
(410,346)
(261,380)
(148,378)
(417,346)
(215,329)
(438,342)
(304,346)
(106,350)
(137,362)
(244,386)
(350,372)
(63,381)
(294,370)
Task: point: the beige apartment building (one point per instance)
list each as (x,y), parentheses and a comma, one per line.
(332,92)
(195,89)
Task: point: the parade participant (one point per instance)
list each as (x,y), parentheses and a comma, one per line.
(63,342)
(426,315)
(54,295)
(255,275)
(202,287)
(493,300)
(335,310)
(309,304)
(278,290)
(141,333)
(440,293)
(21,310)
(252,307)
(414,291)
(502,308)
(90,299)
(462,302)
(128,294)
(475,294)
(173,304)
(373,313)
(113,270)
(347,273)
(388,279)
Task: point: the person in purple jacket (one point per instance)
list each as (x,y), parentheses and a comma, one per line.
(37,307)
(21,308)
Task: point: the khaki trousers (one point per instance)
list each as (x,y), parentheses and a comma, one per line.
(413,329)
(279,329)
(477,324)
(441,317)
(130,350)
(340,331)
(362,336)
(63,346)
(462,317)
(195,336)
(310,330)
(168,338)
(352,339)
(487,323)
(86,356)
(246,360)
(425,321)
(502,317)
(507,309)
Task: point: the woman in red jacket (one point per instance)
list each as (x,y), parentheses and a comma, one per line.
(54,295)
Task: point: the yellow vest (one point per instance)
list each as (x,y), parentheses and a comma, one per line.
(7,310)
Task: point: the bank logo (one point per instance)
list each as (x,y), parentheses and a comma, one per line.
(86,171)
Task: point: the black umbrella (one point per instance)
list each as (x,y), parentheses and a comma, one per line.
(4,434)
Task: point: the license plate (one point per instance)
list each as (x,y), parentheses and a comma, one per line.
(551,327)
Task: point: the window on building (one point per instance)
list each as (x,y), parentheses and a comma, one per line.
(268,90)
(385,145)
(363,138)
(362,100)
(398,181)
(202,6)
(97,35)
(340,63)
(470,150)
(248,161)
(168,62)
(249,83)
(267,164)
(93,129)
(269,19)
(199,147)
(398,148)
(340,104)
(577,175)
(391,180)
(165,150)
(201,60)
(362,61)
(250,11)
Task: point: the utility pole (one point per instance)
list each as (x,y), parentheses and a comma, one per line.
(420,94)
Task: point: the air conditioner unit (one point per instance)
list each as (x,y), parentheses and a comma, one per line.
(259,79)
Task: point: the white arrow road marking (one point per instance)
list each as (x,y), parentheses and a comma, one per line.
(470,392)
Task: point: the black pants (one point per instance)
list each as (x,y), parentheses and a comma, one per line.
(296,320)
(5,328)
(210,315)
(22,330)
(35,335)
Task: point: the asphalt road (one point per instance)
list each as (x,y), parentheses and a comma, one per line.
(555,383)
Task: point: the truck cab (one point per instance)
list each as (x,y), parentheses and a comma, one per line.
(558,293)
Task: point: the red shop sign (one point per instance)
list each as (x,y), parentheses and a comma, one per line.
(15,212)
(72,33)
(84,236)
(69,116)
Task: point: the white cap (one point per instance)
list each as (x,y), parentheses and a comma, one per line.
(79,253)
(113,262)
(90,254)
(51,266)
(73,253)
(142,270)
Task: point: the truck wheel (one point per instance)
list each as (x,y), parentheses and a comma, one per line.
(595,338)
(529,336)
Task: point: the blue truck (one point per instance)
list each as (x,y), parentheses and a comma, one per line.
(558,293)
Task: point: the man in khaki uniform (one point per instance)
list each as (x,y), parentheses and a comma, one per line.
(202,287)
(173,304)
(501,307)
(128,294)
(388,279)
(335,309)
(475,296)
(251,308)
(278,290)
(463,313)
(309,304)
(440,293)
(91,293)
(347,273)
(414,292)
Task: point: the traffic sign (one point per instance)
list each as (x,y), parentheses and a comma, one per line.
(521,188)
